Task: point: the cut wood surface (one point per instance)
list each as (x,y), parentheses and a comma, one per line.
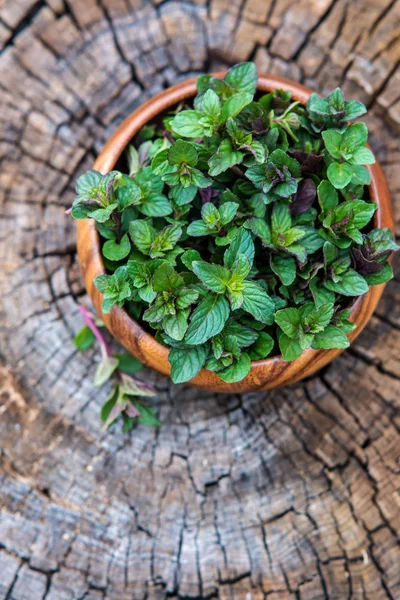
(291,494)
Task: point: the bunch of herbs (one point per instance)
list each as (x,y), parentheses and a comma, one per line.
(242,227)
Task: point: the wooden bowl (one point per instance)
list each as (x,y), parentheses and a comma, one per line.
(264,374)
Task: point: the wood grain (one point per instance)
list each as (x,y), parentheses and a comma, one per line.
(264,374)
(286,494)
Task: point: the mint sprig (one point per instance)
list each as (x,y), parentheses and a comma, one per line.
(122,402)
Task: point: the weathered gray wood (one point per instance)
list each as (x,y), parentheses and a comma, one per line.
(291,494)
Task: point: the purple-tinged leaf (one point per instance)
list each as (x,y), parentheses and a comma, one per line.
(303,198)
(309,163)
(363,262)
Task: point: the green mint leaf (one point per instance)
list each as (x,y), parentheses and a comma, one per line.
(186,124)
(114,251)
(109,405)
(237,371)
(198,179)
(320,318)
(242,244)
(339,174)
(240,271)
(182,196)
(290,348)
(257,303)
(332,140)
(165,278)
(214,277)
(210,214)
(262,346)
(354,109)
(351,284)
(160,165)
(101,215)
(211,105)
(284,267)
(331,337)
(320,294)
(165,240)
(289,320)
(189,257)
(260,229)
(243,78)
(281,220)
(244,335)
(235,104)
(176,325)
(185,296)
(104,370)
(382,276)
(128,364)
(147,416)
(208,319)
(84,339)
(182,153)
(88,184)
(198,229)
(156,205)
(142,234)
(228,212)
(224,159)
(280,158)
(362,156)
(327,196)
(185,364)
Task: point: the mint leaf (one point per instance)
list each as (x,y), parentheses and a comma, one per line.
(235,104)
(208,319)
(327,196)
(176,325)
(350,284)
(104,370)
(284,267)
(186,363)
(186,124)
(165,278)
(258,303)
(142,234)
(147,416)
(128,364)
(114,251)
(290,348)
(289,320)
(84,339)
(339,174)
(182,153)
(242,244)
(262,347)
(381,276)
(237,371)
(224,159)
(243,78)
(331,337)
(214,277)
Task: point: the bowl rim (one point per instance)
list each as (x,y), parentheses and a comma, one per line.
(91,262)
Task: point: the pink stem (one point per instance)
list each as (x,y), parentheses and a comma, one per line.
(68,211)
(105,348)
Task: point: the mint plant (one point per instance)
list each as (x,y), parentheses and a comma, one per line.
(242,226)
(122,402)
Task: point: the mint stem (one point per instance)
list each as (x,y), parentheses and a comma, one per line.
(105,348)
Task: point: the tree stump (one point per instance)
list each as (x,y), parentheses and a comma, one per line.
(289,494)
